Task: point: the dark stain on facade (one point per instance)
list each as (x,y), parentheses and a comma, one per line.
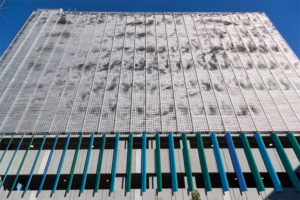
(243,111)
(254,109)
(263,49)
(150,49)
(241,48)
(207,86)
(140,110)
(126,87)
(112,87)
(212,110)
(262,66)
(218,88)
(212,66)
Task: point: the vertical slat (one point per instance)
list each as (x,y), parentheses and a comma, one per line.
(74,164)
(100,160)
(203,163)
(10,162)
(1,137)
(173,163)
(7,147)
(129,163)
(144,162)
(252,164)
(34,164)
(158,163)
(295,144)
(114,164)
(21,165)
(61,163)
(220,163)
(187,162)
(268,162)
(285,161)
(86,165)
(47,165)
(236,163)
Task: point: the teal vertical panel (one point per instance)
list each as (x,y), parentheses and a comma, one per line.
(220,163)
(100,160)
(144,162)
(129,163)
(86,165)
(47,165)
(187,163)
(158,163)
(61,163)
(251,162)
(173,163)
(203,163)
(10,162)
(114,163)
(34,165)
(74,164)
(21,165)
(268,162)
(295,144)
(286,162)
(7,147)
(1,137)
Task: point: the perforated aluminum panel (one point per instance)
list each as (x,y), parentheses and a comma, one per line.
(135,72)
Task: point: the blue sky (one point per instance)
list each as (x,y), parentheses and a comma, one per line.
(285,14)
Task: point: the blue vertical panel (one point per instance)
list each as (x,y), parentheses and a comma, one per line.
(173,163)
(10,162)
(114,164)
(47,165)
(144,164)
(86,165)
(34,165)
(219,162)
(61,163)
(236,163)
(268,162)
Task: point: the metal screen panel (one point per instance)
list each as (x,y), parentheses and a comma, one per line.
(148,72)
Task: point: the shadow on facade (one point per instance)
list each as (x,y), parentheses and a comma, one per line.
(289,193)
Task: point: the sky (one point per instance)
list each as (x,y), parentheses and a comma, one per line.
(285,14)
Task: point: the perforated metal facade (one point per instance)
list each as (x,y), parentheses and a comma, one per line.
(170,80)
(136,72)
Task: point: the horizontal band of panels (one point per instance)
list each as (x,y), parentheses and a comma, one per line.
(238,157)
(151,178)
(11,143)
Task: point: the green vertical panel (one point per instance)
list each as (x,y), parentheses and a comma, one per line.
(100,159)
(252,164)
(187,163)
(286,162)
(129,163)
(158,163)
(1,137)
(61,163)
(7,147)
(203,163)
(11,162)
(74,164)
(295,144)
(20,166)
